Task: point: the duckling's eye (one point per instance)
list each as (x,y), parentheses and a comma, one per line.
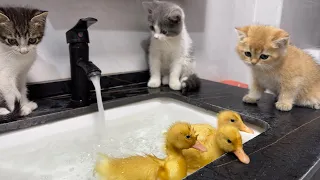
(232,120)
(229,141)
(188,136)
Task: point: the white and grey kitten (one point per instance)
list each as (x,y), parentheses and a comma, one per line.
(171,59)
(21,30)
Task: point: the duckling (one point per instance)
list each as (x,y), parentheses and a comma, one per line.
(179,136)
(234,119)
(224,117)
(225,139)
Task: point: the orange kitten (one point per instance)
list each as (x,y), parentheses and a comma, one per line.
(291,74)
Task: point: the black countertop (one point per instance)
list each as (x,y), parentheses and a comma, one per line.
(288,149)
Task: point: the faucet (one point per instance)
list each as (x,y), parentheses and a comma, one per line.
(81,68)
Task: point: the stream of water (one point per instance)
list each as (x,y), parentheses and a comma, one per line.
(99,123)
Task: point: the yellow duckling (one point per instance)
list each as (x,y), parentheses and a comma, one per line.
(226,139)
(179,136)
(224,118)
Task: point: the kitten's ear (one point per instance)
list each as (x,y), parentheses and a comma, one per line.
(40,17)
(281,42)
(3,18)
(149,6)
(241,33)
(175,16)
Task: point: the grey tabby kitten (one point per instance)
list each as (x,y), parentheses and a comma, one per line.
(171,60)
(21,30)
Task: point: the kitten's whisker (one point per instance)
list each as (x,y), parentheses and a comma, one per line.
(8,56)
(6,53)
(168,44)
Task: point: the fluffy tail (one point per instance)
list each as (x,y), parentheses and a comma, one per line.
(102,165)
(12,115)
(192,83)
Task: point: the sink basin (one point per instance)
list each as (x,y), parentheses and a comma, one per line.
(67,149)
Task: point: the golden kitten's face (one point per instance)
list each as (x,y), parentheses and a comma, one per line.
(261,46)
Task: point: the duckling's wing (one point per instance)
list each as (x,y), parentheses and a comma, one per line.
(156,159)
(203,131)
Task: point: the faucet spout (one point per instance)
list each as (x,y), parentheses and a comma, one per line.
(89,68)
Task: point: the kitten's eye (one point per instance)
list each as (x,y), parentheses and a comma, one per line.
(12,41)
(32,40)
(229,141)
(232,120)
(164,32)
(151,28)
(264,57)
(188,136)
(248,54)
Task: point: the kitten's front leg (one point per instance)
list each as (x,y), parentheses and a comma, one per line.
(255,93)
(26,106)
(10,95)
(286,98)
(174,78)
(155,70)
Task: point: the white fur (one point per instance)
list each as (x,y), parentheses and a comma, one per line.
(15,62)
(169,59)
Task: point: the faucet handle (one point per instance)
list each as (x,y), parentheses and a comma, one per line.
(85,23)
(79,33)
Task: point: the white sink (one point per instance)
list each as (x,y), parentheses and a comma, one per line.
(66,150)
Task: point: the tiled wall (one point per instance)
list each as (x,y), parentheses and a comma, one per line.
(116,38)
(302,20)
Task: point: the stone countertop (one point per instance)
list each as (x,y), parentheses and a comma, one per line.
(288,149)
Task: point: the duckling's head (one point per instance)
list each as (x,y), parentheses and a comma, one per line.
(229,140)
(234,119)
(181,136)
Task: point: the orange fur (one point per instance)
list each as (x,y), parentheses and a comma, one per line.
(290,73)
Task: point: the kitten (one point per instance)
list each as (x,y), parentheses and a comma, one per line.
(287,71)
(21,30)
(171,59)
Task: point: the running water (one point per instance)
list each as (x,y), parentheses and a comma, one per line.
(99,123)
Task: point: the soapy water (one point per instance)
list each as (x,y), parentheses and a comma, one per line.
(72,155)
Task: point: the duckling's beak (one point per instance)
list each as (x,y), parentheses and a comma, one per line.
(199,147)
(245,128)
(242,156)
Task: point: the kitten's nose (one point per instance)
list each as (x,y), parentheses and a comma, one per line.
(156,36)
(24,50)
(254,61)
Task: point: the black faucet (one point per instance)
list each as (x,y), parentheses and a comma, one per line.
(81,68)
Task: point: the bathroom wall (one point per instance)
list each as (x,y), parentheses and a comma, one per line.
(121,27)
(302,20)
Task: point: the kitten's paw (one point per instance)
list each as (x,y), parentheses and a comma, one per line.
(283,106)
(250,100)
(32,105)
(165,80)
(4,111)
(28,108)
(154,83)
(175,85)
